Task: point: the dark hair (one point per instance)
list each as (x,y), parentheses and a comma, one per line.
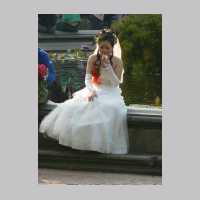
(102,36)
(106,35)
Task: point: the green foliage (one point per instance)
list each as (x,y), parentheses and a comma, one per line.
(75,53)
(141,42)
(42,91)
(78,53)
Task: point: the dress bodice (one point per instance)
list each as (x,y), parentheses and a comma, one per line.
(106,78)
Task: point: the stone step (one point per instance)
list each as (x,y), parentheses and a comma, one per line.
(62,41)
(61,46)
(67,35)
(93,161)
(59,35)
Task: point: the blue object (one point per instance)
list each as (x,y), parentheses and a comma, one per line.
(43,58)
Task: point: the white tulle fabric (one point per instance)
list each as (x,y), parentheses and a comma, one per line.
(99,125)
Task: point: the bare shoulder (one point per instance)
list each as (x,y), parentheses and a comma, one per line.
(92,58)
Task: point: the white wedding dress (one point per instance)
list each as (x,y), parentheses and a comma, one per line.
(99,125)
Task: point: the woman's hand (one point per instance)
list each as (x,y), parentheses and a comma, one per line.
(91,96)
(105,60)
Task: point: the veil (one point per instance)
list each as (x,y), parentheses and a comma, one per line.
(116,52)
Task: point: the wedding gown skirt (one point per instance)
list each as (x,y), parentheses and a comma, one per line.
(99,125)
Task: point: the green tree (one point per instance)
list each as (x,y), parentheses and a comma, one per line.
(141,42)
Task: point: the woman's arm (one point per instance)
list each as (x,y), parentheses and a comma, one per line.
(119,69)
(88,75)
(88,78)
(116,73)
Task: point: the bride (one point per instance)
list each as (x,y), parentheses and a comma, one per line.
(95,118)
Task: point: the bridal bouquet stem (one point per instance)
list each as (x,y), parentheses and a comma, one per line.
(42,84)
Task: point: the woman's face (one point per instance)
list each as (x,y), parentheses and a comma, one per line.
(105,48)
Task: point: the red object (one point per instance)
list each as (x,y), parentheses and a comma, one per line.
(42,70)
(96,78)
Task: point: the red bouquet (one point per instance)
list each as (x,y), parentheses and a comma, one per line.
(42,84)
(42,71)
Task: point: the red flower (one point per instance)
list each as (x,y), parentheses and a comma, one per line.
(42,71)
(96,78)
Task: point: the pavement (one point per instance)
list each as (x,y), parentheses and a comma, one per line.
(70,177)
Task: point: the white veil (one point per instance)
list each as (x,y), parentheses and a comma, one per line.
(116,52)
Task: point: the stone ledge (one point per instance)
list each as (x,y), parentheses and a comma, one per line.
(83,36)
(135,116)
(93,161)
